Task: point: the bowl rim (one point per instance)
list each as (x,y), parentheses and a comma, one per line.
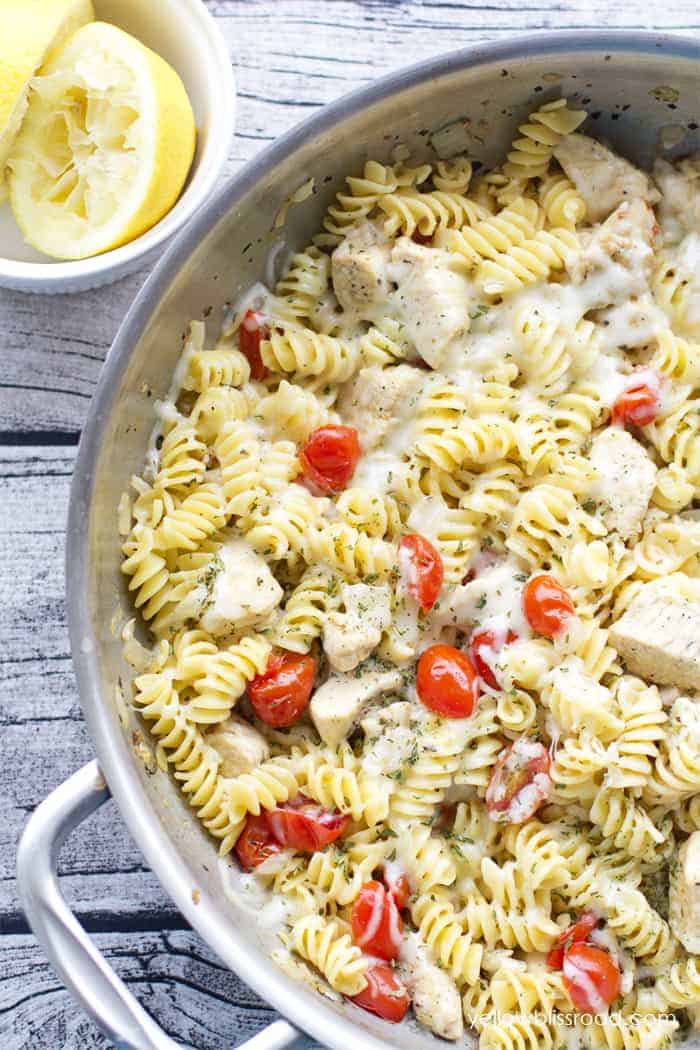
(302,1007)
(202,180)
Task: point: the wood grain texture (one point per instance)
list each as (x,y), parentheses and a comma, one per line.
(291,57)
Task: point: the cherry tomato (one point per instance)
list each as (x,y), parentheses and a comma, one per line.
(547,605)
(591,976)
(302,825)
(483,647)
(398,886)
(376,924)
(256,842)
(250,335)
(447,682)
(281,693)
(330,456)
(384,995)
(520,782)
(638,405)
(421,569)
(578,931)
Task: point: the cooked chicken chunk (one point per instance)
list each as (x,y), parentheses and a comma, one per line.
(679,207)
(338,704)
(359,269)
(603,179)
(376,399)
(625,481)
(244,591)
(240,745)
(350,635)
(434,995)
(684,895)
(658,636)
(622,247)
(433,300)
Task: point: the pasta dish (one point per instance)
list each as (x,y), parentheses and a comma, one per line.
(416,550)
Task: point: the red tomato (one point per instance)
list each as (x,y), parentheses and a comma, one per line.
(250,335)
(578,931)
(547,605)
(520,782)
(330,456)
(447,682)
(483,647)
(421,569)
(255,843)
(302,825)
(591,976)
(281,693)
(376,924)
(638,405)
(398,886)
(384,995)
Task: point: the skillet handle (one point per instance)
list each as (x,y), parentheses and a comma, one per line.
(81,967)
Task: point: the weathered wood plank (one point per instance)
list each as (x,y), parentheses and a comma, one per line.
(193,997)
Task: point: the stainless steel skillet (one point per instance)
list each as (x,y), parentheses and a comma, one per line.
(633,85)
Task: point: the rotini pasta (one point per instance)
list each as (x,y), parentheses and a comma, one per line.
(417,550)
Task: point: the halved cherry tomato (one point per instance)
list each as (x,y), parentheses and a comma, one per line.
(303,825)
(330,456)
(447,682)
(376,924)
(547,605)
(483,647)
(578,931)
(398,886)
(281,693)
(591,976)
(384,995)
(250,335)
(520,782)
(638,405)
(421,569)
(256,842)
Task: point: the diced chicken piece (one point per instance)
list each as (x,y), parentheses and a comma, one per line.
(632,324)
(390,735)
(433,300)
(603,179)
(679,207)
(493,599)
(625,481)
(243,592)
(623,247)
(359,269)
(684,895)
(434,995)
(379,399)
(349,636)
(338,704)
(240,745)
(658,636)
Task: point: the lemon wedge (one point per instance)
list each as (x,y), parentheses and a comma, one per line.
(31,33)
(105,147)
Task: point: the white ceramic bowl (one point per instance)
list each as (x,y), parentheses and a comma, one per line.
(185,34)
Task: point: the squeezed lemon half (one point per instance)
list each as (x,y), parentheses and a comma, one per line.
(31,33)
(105,146)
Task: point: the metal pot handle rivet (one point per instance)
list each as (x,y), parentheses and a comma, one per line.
(81,967)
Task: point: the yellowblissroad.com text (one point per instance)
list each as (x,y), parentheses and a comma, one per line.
(566,1020)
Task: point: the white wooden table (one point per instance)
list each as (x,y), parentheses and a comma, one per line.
(291,56)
